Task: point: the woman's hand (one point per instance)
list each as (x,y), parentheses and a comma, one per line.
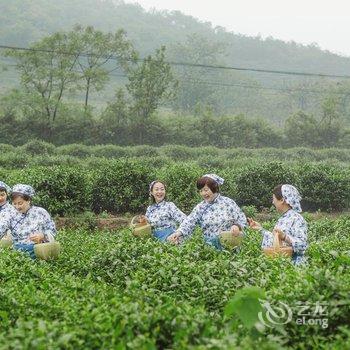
(37,237)
(175,237)
(254,224)
(236,231)
(142,219)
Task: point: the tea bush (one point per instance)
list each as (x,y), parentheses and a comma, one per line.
(324,187)
(60,190)
(121,186)
(255,183)
(110,290)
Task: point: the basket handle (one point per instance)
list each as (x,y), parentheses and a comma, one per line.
(134,220)
(276,241)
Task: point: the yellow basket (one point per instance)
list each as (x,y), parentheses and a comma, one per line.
(5,243)
(277,249)
(140,229)
(47,251)
(229,241)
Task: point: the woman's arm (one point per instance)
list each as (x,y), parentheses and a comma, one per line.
(298,236)
(177,215)
(237,215)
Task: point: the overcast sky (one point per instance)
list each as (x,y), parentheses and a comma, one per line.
(325,22)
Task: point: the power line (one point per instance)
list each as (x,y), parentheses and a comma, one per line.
(262,87)
(188,64)
(234,85)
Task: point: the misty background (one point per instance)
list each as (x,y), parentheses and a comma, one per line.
(222,89)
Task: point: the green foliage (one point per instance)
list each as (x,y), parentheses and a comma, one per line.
(5,148)
(250,211)
(37,147)
(102,47)
(324,187)
(181,184)
(255,183)
(121,186)
(110,151)
(232,92)
(111,290)
(177,152)
(76,150)
(246,305)
(143,151)
(60,190)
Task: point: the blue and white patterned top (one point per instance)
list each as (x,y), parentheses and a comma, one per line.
(35,220)
(214,217)
(295,227)
(6,212)
(164,215)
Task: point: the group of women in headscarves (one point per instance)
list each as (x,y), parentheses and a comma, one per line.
(217,213)
(28,224)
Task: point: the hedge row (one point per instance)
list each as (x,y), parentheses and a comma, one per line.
(175,152)
(121,186)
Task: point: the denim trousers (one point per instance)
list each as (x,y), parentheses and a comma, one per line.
(27,248)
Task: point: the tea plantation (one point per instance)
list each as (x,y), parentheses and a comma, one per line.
(110,290)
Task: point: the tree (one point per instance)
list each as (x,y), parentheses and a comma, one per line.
(330,126)
(301,129)
(192,92)
(115,121)
(103,53)
(150,83)
(47,72)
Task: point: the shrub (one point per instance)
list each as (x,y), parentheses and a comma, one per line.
(75,149)
(255,183)
(142,151)
(5,148)
(37,147)
(110,151)
(181,184)
(177,152)
(60,190)
(121,186)
(324,187)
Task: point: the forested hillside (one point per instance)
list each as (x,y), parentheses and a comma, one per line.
(25,21)
(291,102)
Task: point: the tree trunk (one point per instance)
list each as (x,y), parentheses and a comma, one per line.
(87,93)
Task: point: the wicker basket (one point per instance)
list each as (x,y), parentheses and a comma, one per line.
(47,251)
(229,241)
(5,242)
(277,249)
(140,229)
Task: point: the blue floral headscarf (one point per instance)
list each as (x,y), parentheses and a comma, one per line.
(5,187)
(24,189)
(219,180)
(292,197)
(154,182)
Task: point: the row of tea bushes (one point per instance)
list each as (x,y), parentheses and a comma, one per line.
(110,290)
(121,186)
(175,152)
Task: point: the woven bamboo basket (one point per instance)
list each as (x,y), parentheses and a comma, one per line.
(47,251)
(140,229)
(229,241)
(278,249)
(5,242)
